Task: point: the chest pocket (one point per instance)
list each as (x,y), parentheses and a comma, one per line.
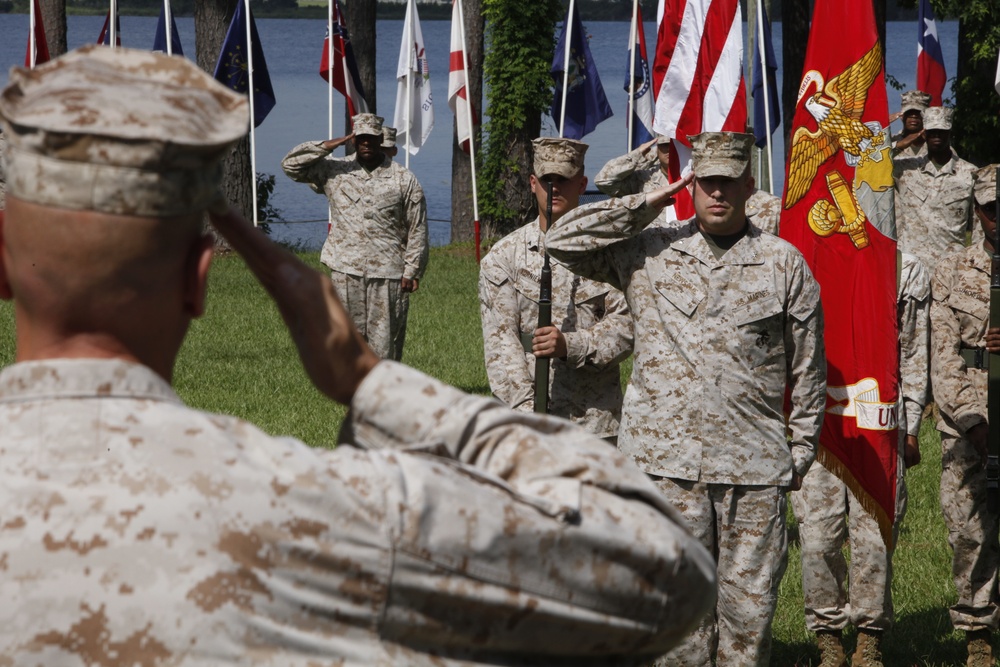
(348,190)
(760,332)
(587,304)
(678,299)
(965,300)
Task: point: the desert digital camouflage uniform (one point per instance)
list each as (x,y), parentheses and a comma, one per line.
(717,341)
(824,501)
(933,204)
(379,236)
(585,387)
(631,174)
(139,531)
(764,210)
(959,317)
(910,100)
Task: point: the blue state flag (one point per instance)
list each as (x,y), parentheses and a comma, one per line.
(760,129)
(639,88)
(586,104)
(233,68)
(160,39)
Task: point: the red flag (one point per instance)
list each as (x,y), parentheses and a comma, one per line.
(458,89)
(931,75)
(838,210)
(41,46)
(346,79)
(698,77)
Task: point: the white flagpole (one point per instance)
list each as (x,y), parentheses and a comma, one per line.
(767,111)
(253,147)
(409,80)
(31,35)
(168,26)
(630,122)
(566,52)
(472,129)
(348,85)
(113,25)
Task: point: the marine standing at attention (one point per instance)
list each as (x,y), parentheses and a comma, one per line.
(139,531)
(727,319)
(591,329)
(377,246)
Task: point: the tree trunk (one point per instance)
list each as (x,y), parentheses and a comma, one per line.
(54,18)
(360,17)
(880,7)
(211,20)
(462,211)
(795,37)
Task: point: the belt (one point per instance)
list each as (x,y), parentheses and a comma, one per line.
(976,357)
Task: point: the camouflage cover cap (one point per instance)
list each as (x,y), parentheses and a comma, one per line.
(558,156)
(662,139)
(388,137)
(986,184)
(914,100)
(120,131)
(720,153)
(937,118)
(367,123)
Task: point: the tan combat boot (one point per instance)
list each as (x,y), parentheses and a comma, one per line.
(869,649)
(831,649)
(980,649)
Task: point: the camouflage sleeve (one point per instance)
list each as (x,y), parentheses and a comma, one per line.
(805,356)
(955,394)
(417,240)
(307,163)
(495,503)
(506,367)
(608,342)
(914,339)
(588,239)
(618,177)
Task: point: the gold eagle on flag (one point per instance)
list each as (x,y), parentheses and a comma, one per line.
(837,108)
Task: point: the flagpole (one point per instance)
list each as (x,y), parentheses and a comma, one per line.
(766,92)
(566,52)
(630,122)
(472,131)
(31,35)
(253,148)
(113,25)
(168,27)
(409,80)
(329,93)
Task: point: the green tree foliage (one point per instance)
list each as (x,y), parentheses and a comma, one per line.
(976,133)
(520,40)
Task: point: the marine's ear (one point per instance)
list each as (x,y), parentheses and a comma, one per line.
(196,275)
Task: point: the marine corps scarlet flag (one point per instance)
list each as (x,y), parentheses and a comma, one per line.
(838,210)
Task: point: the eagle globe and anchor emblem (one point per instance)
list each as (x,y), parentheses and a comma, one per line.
(838,106)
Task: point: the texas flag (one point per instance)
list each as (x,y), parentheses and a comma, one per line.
(931,75)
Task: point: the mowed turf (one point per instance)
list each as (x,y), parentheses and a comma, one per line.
(238,359)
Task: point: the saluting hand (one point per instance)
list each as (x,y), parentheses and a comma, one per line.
(664,196)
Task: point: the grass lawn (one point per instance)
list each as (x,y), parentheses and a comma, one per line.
(239,360)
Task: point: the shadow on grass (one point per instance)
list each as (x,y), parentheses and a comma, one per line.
(921,639)
(480,390)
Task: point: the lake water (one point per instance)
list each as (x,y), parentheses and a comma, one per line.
(293,47)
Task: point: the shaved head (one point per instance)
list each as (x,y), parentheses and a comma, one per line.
(131,282)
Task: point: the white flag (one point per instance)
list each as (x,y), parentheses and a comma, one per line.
(414,118)
(996,84)
(458,90)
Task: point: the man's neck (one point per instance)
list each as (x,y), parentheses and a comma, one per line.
(940,158)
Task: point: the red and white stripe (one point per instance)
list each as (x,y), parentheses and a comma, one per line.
(458,91)
(698,69)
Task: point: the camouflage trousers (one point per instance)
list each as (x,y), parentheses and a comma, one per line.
(828,512)
(972,534)
(744,526)
(378,307)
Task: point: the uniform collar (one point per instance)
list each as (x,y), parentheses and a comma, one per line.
(746,251)
(82,378)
